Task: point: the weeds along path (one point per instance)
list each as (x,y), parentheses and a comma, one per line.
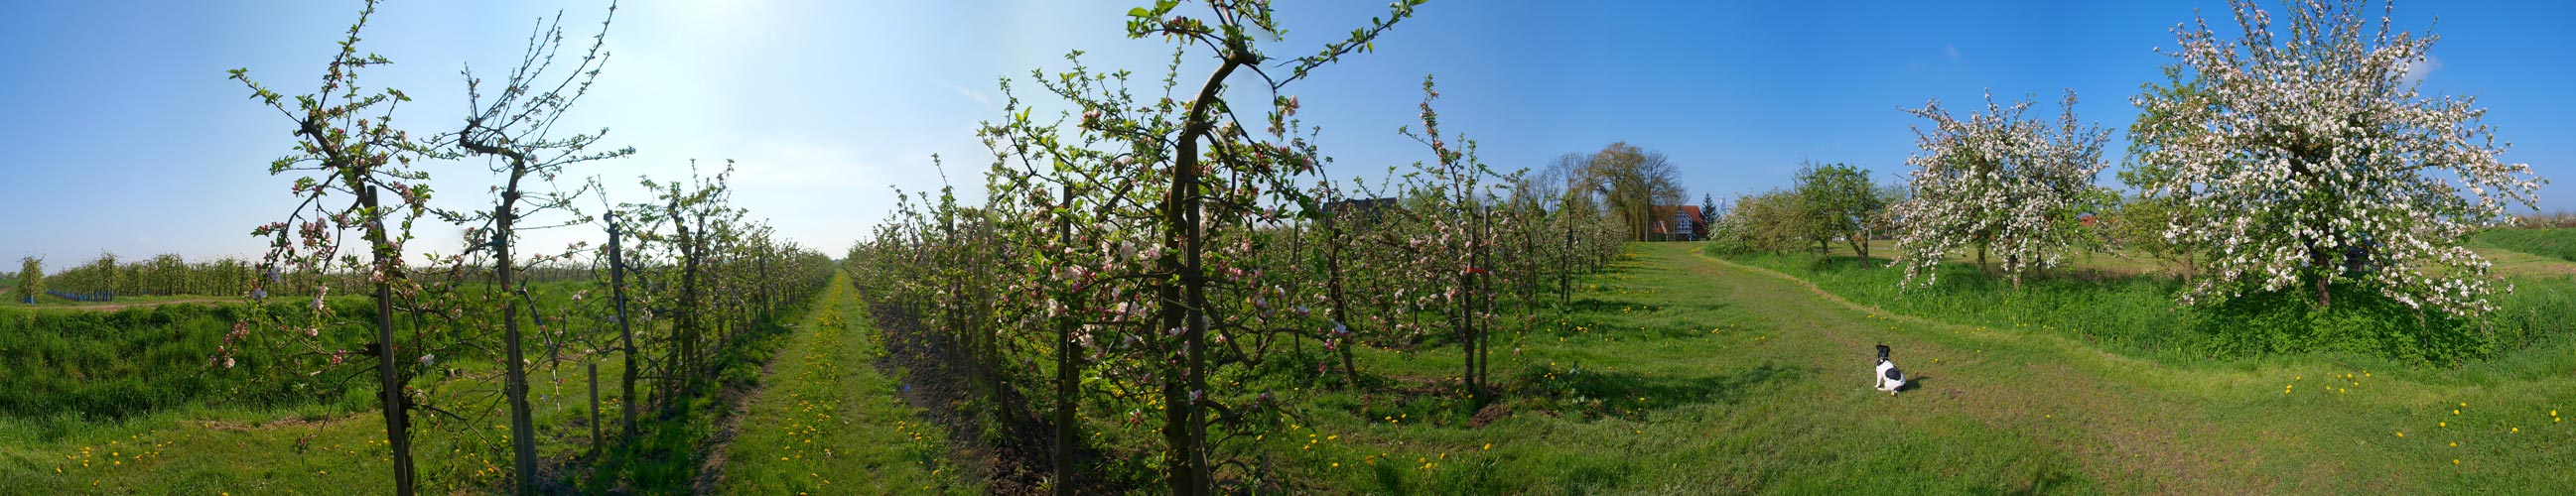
(2159,428)
(827,422)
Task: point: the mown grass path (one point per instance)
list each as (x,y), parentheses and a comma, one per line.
(826,422)
(2188,429)
(1678,373)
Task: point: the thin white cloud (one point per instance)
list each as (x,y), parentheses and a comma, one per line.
(2414,72)
(980,98)
(1951,51)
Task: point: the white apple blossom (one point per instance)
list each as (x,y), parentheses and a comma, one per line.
(2314,160)
(2009,185)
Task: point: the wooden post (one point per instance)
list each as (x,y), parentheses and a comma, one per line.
(594,409)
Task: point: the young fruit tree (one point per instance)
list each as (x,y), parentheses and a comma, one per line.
(31,279)
(2308,159)
(2003,183)
(513,129)
(1456,253)
(345,145)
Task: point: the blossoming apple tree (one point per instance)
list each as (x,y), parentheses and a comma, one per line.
(2000,182)
(2309,158)
(345,145)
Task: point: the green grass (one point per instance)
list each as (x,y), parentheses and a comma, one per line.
(827,423)
(1674,373)
(57,302)
(112,364)
(1681,374)
(2553,243)
(212,444)
(2102,299)
(312,449)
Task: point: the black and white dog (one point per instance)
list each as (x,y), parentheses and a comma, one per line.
(1888,377)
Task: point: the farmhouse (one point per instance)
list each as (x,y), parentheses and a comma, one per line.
(1374,210)
(1679,223)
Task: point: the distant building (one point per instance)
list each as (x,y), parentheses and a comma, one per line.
(1679,223)
(1373,210)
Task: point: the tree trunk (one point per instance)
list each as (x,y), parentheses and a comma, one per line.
(683,375)
(1184,430)
(1067,368)
(390,392)
(1565,263)
(1859,240)
(1333,244)
(2014,261)
(2322,263)
(1981,257)
(625,333)
(523,430)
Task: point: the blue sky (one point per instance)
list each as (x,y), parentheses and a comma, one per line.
(126,137)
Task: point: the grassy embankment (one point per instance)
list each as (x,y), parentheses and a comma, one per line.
(171,424)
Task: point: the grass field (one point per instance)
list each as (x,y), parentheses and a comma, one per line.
(194,430)
(2557,244)
(70,361)
(1675,373)
(311,449)
(1689,375)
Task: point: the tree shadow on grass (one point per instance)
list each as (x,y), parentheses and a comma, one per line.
(1598,393)
(1846,263)
(1594,304)
(2045,479)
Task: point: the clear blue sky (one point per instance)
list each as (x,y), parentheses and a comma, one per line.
(124,135)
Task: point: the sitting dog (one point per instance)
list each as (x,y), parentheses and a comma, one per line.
(1888,377)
